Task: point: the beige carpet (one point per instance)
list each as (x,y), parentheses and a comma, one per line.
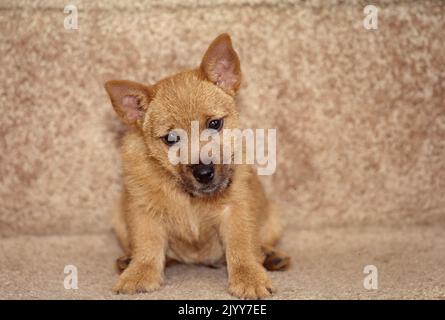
(360,116)
(327,265)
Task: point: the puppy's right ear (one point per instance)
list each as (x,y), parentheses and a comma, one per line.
(129,99)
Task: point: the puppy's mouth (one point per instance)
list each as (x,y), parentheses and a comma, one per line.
(213,188)
(206,180)
(207,190)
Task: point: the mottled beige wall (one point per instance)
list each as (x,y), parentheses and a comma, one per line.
(360,114)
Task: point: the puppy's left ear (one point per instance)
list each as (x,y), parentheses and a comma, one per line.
(129,99)
(221,64)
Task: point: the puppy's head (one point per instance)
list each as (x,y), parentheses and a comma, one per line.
(166,112)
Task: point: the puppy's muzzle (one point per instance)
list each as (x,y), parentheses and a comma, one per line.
(204,173)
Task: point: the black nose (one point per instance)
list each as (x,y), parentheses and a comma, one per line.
(203,173)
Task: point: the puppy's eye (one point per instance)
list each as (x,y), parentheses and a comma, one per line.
(171,138)
(215,124)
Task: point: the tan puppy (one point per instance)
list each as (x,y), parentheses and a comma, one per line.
(191,213)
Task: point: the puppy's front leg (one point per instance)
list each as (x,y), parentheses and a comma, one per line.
(247,277)
(148,242)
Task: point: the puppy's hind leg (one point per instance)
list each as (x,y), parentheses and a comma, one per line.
(120,225)
(122,263)
(275,260)
(120,228)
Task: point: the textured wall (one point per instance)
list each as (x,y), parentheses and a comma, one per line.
(360,114)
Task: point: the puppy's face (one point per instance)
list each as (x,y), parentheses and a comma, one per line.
(165,113)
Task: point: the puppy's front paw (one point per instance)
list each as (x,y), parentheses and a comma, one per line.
(250,282)
(138,278)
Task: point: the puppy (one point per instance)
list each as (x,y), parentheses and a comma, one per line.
(204,213)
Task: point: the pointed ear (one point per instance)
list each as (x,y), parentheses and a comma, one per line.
(129,99)
(221,64)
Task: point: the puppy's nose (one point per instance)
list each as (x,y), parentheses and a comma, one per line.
(204,173)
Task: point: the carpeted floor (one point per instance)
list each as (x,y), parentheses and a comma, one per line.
(328,264)
(360,118)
